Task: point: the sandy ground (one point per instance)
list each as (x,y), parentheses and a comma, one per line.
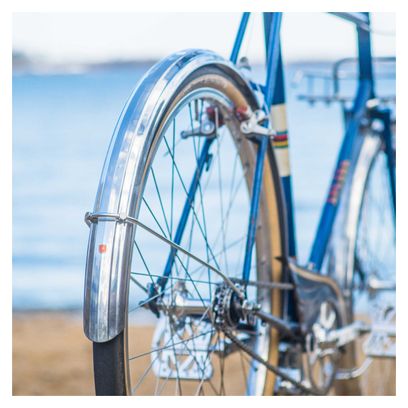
(51,356)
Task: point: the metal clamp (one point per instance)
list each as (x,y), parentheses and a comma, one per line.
(92,218)
(253,125)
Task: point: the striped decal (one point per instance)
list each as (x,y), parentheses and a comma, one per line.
(280,141)
(338,182)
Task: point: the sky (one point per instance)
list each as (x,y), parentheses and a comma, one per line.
(93,37)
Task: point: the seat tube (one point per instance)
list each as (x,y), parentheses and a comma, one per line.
(277,103)
(263,141)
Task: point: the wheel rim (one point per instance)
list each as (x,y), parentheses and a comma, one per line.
(375,243)
(219,242)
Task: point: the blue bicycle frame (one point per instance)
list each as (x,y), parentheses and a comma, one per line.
(274,97)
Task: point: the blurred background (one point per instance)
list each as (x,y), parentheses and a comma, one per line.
(72,74)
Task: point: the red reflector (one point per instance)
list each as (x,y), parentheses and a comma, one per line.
(102,248)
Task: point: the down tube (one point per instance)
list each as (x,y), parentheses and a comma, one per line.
(336,187)
(364,93)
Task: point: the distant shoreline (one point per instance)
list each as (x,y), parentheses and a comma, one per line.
(25,65)
(36,68)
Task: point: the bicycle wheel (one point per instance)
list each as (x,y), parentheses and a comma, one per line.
(165,348)
(366,251)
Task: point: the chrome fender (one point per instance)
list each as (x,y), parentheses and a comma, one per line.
(110,242)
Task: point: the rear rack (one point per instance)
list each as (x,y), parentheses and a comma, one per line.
(336,83)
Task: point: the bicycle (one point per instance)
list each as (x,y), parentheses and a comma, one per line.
(193,227)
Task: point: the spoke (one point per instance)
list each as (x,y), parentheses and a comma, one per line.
(215,157)
(161,202)
(200,390)
(156,388)
(244,371)
(234,171)
(172,181)
(164,384)
(190,241)
(222,369)
(143,376)
(144,262)
(138,284)
(145,302)
(166,347)
(179,279)
(178,384)
(233,191)
(154,217)
(242,256)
